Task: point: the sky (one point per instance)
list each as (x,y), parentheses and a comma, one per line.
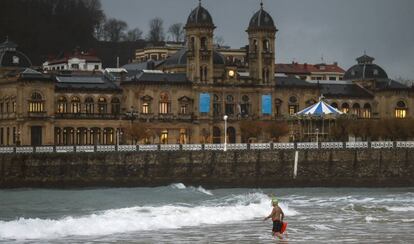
(309,30)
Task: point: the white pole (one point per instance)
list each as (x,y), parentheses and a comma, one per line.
(295,166)
(225,132)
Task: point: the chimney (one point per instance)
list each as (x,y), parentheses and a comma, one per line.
(336,63)
(117,61)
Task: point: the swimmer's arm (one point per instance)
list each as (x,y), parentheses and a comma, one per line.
(270,215)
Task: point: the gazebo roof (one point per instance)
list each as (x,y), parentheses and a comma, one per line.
(320,109)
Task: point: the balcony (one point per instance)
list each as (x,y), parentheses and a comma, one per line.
(165,117)
(185,117)
(146,117)
(37,115)
(86,116)
(267,55)
(8,116)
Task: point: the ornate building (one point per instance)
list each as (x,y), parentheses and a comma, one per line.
(183,98)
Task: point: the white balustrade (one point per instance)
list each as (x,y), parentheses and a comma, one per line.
(405,144)
(105,148)
(46,149)
(65,149)
(307,145)
(6,150)
(236,147)
(382,144)
(332,145)
(170,147)
(192,147)
(148,147)
(86,148)
(360,144)
(214,147)
(127,148)
(260,146)
(24,149)
(284,146)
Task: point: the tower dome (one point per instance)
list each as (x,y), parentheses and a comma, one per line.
(262,20)
(365,70)
(199,17)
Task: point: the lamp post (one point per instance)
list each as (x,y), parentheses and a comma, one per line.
(225,117)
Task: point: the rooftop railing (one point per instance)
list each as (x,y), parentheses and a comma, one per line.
(209,147)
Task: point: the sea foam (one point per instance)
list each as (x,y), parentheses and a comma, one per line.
(141,218)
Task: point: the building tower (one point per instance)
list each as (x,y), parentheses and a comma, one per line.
(262,32)
(199,38)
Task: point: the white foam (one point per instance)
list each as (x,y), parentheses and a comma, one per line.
(202,190)
(369,219)
(401,209)
(321,227)
(178,186)
(140,218)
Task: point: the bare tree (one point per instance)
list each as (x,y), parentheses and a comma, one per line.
(134,35)
(115,30)
(156,32)
(177,32)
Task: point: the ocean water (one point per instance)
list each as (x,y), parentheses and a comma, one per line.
(193,214)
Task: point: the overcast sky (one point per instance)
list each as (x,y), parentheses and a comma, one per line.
(337,30)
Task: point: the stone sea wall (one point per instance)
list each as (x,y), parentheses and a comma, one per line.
(245,168)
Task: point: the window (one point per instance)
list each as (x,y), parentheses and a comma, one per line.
(76,105)
(164,137)
(89,105)
(245,106)
(108,136)
(356,110)
(254,49)
(401,110)
(14,105)
(278,107)
(7,107)
(366,112)
(216,106)
(75,66)
(266,45)
(183,136)
(14,135)
(332,78)
(1,108)
(192,43)
(1,136)
(145,108)
(164,104)
(203,43)
(58,136)
(293,109)
(229,105)
(345,108)
(265,75)
(36,103)
(115,106)
(96,66)
(183,109)
(102,106)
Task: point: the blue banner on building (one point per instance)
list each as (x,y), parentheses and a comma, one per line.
(204,103)
(267,104)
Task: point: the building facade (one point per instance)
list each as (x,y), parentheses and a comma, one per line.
(182,98)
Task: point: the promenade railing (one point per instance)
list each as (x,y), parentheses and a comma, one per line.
(208,147)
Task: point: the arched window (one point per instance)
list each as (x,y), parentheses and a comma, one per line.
(36,103)
(89,105)
(95,136)
(76,105)
(203,43)
(164,103)
(216,106)
(81,136)
(231,133)
(356,109)
(293,106)
(216,135)
(58,136)
(366,112)
(192,43)
(265,75)
(254,48)
(102,105)
(229,109)
(266,46)
(278,107)
(115,106)
(245,106)
(62,105)
(68,136)
(108,136)
(345,108)
(164,137)
(401,110)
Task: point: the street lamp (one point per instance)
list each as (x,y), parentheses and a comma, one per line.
(225,117)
